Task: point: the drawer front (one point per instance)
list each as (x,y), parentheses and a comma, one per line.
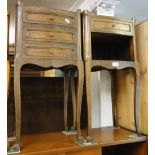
(41,51)
(48,17)
(37,34)
(111,26)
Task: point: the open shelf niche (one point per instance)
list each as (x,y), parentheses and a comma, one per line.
(106,46)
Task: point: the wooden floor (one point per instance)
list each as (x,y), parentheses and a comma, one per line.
(57,142)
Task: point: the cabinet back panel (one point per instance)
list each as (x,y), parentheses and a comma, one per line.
(111,47)
(42,106)
(139,148)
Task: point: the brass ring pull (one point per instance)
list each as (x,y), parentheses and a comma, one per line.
(51,51)
(51,35)
(51,19)
(73,20)
(73,36)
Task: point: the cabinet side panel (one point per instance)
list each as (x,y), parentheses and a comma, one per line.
(125,99)
(142,54)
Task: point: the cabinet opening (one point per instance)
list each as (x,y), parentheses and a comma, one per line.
(107,46)
(126,149)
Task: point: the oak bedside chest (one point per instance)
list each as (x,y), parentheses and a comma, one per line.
(49,38)
(109,44)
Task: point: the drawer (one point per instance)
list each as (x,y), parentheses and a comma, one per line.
(48,17)
(114,26)
(47,51)
(40,34)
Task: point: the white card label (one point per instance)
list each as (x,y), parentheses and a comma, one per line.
(115,64)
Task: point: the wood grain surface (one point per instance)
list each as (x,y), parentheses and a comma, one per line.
(125,99)
(56,142)
(142,53)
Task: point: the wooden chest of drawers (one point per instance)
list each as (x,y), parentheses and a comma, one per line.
(109,44)
(49,33)
(49,38)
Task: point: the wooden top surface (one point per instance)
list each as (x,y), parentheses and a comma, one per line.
(57,142)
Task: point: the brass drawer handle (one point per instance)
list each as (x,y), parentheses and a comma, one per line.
(73,21)
(51,35)
(51,51)
(113,25)
(73,36)
(51,18)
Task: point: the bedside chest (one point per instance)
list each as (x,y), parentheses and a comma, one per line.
(49,38)
(109,44)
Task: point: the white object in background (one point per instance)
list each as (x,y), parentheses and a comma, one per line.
(104,7)
(101,102)
(85,5)
(77,4)
(95,100)
(105,99)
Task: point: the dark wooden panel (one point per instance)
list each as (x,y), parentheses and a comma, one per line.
(42,106)
(111,150)
(133,149)
(140,148)
(89,151)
